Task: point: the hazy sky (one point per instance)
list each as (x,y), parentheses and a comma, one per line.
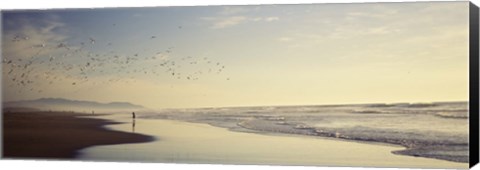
(214,56)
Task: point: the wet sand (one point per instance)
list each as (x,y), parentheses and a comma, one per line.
(58,135)
(185,142)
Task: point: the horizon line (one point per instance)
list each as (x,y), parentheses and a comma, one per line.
(240,106)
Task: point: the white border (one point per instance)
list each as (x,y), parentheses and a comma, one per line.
(76,165)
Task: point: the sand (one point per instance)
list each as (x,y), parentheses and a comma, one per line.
(44,135)
(57,135)
(186,142)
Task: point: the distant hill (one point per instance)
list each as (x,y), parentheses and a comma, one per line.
(19,109)
(60,104)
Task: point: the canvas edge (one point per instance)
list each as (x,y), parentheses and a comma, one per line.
(474,83)
(473,78)
(1,86)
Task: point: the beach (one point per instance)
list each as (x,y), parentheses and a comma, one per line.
(118,137)
(58,135)
(187,142)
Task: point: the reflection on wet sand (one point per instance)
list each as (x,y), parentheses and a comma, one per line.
(184,142)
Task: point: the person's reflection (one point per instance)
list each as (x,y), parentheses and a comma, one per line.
(133,125)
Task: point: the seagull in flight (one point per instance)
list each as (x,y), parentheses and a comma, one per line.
(92,41)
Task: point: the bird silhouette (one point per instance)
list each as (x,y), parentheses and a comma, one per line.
(78,63)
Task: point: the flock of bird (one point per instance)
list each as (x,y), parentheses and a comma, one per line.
(60,62)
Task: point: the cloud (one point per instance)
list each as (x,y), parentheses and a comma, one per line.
(162,56)
(32,37)
(270,19)
(284,39)
(229,10)
(223,22)
(383,30)
(265,19)
(257,19)
(369,15)
(228,22)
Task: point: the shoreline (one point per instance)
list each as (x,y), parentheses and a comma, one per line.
(408,150)
(58,135)
(115,137)
(405,150)
(188,142)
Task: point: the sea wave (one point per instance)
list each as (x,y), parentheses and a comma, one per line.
(433,130)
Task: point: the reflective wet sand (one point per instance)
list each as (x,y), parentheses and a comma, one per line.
(184,142)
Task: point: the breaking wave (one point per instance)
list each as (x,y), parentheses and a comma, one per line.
(433,130)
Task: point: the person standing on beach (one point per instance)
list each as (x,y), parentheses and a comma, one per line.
(133,126)
(133,115)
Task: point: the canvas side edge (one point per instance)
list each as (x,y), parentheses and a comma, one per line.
(474,83)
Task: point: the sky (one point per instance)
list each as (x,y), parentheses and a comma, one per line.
(220,56)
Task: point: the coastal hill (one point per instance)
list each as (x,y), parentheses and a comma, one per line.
(60,104)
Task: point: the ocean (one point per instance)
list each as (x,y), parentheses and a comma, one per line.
(431,130)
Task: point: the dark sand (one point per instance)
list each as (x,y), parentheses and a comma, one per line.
(57,135)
